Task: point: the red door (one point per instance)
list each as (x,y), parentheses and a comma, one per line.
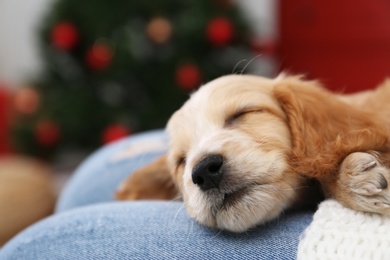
(346,44)
(4,135)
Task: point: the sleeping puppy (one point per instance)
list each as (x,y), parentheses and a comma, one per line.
(244,148)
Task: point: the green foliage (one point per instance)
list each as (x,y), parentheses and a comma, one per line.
(138,88)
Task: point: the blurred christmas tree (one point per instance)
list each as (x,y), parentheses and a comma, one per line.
(113,68)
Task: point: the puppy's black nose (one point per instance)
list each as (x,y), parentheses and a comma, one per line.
(207,174)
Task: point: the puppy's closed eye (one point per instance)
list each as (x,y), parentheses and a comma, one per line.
(181,161)
(239,114)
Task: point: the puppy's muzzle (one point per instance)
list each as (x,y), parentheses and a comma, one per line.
(208,173)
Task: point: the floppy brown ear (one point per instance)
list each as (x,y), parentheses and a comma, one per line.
(325,129)
(152,182)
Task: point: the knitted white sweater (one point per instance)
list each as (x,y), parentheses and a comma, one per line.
(337,232)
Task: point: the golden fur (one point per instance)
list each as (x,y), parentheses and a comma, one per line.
(274,135)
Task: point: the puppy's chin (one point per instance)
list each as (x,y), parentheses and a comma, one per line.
(243,209)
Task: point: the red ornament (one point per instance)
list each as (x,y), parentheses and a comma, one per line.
(114,132)
(159,30)
(47,133)
(26,101)
(99,56)
(220,31)
(64,35)
(188,76)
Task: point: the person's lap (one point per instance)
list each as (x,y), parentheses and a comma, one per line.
(96,179)
(90,225)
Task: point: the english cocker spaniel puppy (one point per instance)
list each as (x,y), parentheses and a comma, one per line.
(244,148)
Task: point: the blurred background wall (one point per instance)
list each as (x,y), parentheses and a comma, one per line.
(346,44)
(19,21)
(66,61)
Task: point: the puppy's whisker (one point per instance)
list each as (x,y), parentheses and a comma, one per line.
(176,199)
(254,58)
(238,63)
(220,231)
(178,211)
(190,231)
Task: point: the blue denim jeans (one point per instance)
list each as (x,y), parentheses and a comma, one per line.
(89,224)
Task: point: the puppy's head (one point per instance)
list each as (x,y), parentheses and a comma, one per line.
(228,153)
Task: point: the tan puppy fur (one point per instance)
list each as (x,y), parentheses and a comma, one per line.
(273,135)
(161,188)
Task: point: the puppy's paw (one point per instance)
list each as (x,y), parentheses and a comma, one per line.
(152,182)
(125,192)
(363,183)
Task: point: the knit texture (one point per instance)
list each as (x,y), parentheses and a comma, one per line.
(337,232)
